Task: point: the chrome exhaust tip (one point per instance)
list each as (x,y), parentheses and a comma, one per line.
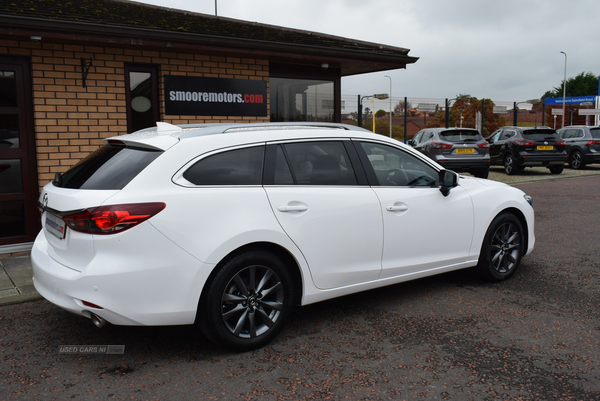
(98,321)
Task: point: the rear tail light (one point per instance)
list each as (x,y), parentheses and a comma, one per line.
(440,145)
(590,143)
(520,142)
(112,219)
(561,143)
(484,145)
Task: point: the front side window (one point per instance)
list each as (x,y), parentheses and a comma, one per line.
(395,167)
(313,163)
(234,167)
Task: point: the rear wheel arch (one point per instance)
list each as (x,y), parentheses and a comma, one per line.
(288,259)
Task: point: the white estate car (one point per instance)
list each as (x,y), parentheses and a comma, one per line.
(228,226)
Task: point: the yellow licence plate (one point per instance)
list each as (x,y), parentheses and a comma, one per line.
(545,148)
(465,150)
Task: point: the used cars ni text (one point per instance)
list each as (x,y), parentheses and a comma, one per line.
(457,149)
(229,226)
(583,145)
(518,147)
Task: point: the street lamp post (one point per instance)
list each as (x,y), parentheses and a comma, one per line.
(390,104)
(564,90)
(379,96)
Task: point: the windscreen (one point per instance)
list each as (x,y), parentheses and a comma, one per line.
(109,167)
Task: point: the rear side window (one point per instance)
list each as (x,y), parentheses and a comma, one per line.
(108,167)
(595,132)
(233,167)
(460,136)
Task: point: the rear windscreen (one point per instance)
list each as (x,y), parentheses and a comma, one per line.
(460,136)
(539,132)
(107,168)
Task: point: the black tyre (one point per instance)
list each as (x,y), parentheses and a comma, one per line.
(502,248)
(482,173)
(576,160)
(247,302)
(556,169)
(509,165)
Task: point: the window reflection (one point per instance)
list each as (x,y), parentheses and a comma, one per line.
(11,180)
(9,131)
(12,218)
(301,100)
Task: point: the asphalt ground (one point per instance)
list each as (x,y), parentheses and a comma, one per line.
(452,336)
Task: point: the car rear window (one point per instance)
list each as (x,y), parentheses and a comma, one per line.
(460,136)
(595,132)
(539,132)
(109,167)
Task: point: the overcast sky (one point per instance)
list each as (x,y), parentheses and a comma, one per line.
(504,50)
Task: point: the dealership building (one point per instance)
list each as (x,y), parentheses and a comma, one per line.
(74,73)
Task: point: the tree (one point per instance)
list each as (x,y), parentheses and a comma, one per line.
(399,108)
(466,106)
(584,84)
(380,113)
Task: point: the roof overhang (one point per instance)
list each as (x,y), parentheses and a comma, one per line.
(348,61)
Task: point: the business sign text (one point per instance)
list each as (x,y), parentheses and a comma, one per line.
(197,96)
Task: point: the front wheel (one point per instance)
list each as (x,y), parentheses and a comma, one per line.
(247,302)
(502,248)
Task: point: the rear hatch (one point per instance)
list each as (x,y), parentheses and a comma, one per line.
(541,141)
(463,144)
(86,186)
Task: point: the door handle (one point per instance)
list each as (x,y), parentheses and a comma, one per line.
(293,208)
(397,208)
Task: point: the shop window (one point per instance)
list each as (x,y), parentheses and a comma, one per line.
(302,100)
(142,96)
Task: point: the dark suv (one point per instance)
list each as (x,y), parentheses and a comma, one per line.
(458,149)
(583,144)
(519,147)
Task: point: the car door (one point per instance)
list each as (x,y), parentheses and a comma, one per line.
(314,192)
(495,147)
(423,230)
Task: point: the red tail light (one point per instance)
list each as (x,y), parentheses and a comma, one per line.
(440,145)
(590,143)
(484,145)
(112,219)
(520,142)
(561,143)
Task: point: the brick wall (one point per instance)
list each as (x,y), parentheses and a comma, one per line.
(71,121)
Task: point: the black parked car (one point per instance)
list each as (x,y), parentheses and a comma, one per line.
(583,144)
(519,147)
(458,149)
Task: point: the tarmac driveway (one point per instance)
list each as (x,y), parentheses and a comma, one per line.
(536,336)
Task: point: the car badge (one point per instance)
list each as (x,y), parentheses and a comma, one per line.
(545,142)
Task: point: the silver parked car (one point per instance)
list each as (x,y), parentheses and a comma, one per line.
(458,149)
(583,145)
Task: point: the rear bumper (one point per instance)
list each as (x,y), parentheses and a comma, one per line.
(526,159)
(162,289)
(464,165)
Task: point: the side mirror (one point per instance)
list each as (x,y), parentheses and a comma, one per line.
(448,180)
